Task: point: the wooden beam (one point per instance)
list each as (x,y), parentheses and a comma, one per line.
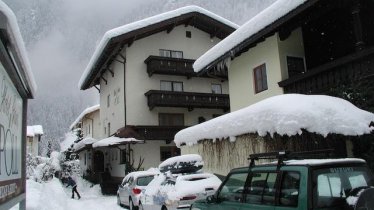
(111,71)
(170,28)
(98,89)
(214,34)
(189,22)
(106,81)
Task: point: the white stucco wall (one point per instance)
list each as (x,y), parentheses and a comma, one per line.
(138,82)
(85,161)
(32,145)
(115,112)
(273,53)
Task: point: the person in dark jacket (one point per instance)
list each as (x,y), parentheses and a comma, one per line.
(72,183)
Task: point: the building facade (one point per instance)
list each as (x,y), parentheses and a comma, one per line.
(34,134)
(148,89)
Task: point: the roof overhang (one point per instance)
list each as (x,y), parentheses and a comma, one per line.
(252,40)
(116,43)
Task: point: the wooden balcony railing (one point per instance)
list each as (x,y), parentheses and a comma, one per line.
(158,132)
(319,80)
(157,98)
(174,66)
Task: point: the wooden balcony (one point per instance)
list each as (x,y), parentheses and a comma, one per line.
(174,66)
(157,98)
(319,80)
(149,132)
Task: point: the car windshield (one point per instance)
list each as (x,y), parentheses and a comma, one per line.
(334,185)
(144,181)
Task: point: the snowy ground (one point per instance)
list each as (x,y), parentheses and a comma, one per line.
(53,195)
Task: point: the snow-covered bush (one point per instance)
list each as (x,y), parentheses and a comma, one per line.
(41,169)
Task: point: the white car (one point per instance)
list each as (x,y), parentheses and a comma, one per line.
(178,190)
(129,191)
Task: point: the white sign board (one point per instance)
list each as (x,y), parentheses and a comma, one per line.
(10,138)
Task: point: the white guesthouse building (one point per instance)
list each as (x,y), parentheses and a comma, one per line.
(33,136)
(148,89)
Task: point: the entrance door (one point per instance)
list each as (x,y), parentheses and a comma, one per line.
(98,162)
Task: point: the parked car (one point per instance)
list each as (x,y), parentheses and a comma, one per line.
(129,190)
(307,184)
(179,185)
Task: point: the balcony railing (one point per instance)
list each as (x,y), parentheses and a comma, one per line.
(158,132)
(157,98)
(319,80)
(175,66)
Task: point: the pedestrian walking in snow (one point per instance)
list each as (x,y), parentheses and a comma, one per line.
(72,183)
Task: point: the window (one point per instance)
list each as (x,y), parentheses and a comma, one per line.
(295,65)
(144,181)
(290,189)
(232,189)
(171,86)
(108,129)
(188,34)
(335,184)
(216,89)
(261,188)
(108,101)
(123,157)
(260,78)
(85,158)
(166,119)
(168,152)
(89,128)
(171,53)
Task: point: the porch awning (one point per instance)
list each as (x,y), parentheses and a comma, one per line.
(113,141)
(86,142)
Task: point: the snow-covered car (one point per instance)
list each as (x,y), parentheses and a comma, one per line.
(129,190)
(179,185)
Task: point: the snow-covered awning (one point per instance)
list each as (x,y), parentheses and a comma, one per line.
(285,115)
(113,141)
(84,143)
(146,27)
(247,32)
(84,113)
(18,48)
(34,130)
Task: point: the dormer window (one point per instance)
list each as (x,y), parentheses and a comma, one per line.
(171,53)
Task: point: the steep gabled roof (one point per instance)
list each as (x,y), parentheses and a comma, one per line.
(34,130)
(84,113)
(113,40)
(253,31)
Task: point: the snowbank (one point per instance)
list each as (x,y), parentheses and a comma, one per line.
(68,141)
(275,11)
(285,115)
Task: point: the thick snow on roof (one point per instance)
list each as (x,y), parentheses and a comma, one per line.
(285,115)
(275,11)
(141,24)
(17,41)
(84,113)
(136,174)
(34,130)
(84,142)
(182,158)
(110,141)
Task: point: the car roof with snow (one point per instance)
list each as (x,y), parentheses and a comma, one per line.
(137,174)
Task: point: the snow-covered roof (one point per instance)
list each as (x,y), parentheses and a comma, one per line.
(82,144)
(193,158)
(18,46)
(111,141)
(285,115)
(34,130)
(120,31)
(84,113)
(137,174)
(259,22)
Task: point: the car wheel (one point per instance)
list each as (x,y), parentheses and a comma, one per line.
(131,205)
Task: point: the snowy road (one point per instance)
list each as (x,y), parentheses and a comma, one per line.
(53,195)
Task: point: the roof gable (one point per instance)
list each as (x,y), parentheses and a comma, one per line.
(114,40)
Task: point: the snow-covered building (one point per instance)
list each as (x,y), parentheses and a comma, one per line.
(87,126)
(148,89)
(17,85)
(34,134)
(286,122)
(296,46)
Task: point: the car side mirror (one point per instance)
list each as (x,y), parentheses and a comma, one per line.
(211,199)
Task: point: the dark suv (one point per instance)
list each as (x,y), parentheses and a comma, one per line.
(303,184)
